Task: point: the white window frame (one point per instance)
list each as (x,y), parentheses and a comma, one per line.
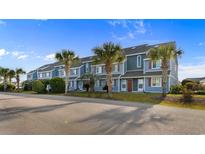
(86,67)
(115,67)
(139,57)
(98,69)
(160,81)
(156,65)
(60,73)
(97,83)
(123,82)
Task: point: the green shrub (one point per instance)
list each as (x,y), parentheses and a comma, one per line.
(188,81)
(193,86)
(38,86)
(200,92)
(176,89)
(187,95)
(10,87)
(27,85)
(57,85)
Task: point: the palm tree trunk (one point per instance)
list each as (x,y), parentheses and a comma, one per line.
(5,84)
(109,79)
(17,80)
(67,71)
(164,79)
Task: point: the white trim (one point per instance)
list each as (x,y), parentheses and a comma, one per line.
(159,82)
(140,83)
(139,66)
(157,68)
(135,54)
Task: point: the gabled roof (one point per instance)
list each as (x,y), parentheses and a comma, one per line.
(142,48)
(126,51)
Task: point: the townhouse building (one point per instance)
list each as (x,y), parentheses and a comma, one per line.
(137,73)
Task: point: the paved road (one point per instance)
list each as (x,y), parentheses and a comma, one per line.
(44,114)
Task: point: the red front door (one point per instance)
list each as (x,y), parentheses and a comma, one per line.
(129,85)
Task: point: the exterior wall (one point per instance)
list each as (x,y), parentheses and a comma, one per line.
(148,88)
(147,67)
(132,62)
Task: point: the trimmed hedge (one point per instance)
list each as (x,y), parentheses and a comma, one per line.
(57,85)
(38,86)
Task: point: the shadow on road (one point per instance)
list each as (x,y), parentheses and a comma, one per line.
(119,121)
(11,112)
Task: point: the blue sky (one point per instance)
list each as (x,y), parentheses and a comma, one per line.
(31,43)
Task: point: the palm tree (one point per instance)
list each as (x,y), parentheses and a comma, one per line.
(67,57)
(91,78)
(164,53)
(108,54)
(4,73)
(18,72)
(11,75)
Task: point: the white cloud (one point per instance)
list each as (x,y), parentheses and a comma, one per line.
(3,23)
(50,57)
(22,57)
(130,27)
(191,70)
(3,52)
(19,55)
(201,43)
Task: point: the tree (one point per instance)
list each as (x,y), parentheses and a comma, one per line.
(91,78)
(11,74)
(4,73)
(164,53)
(108,54)
(67,57)
(18,72)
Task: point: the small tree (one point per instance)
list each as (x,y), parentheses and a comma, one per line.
(164,53)
(108,54)
(67,57)
(18,72)
(11,74)
(90,78)
(4,72)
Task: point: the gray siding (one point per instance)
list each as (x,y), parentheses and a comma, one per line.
(135,84)
(132,62)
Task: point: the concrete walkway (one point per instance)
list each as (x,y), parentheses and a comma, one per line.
(47,114)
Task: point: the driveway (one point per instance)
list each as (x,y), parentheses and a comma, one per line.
(46,114)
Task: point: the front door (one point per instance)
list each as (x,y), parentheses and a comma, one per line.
(129,85)
(140,85)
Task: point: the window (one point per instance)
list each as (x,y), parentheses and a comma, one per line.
(123,85)
(73,71)
(114,82)
(156,82)
(61,72)
(40,75)
(102,83)
(156,64)
(115,68)
(139,61)
(87,67)
(97,84)
(48,74)
(98,69)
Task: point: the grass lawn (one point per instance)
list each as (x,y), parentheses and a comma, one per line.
(142,97)
(137,97)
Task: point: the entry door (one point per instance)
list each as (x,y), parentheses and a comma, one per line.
(140,85)
(129,85)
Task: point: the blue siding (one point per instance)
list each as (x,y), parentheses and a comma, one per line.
(135,83)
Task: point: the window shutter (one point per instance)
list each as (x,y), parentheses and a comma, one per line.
(149,82)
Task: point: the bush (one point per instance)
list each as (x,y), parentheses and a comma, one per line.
(86,86)
(38,86)
(200,92)
(57,85)
(193,86)
(176,89)
(187,95)
(10,87)
(184,82)
(27,85)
